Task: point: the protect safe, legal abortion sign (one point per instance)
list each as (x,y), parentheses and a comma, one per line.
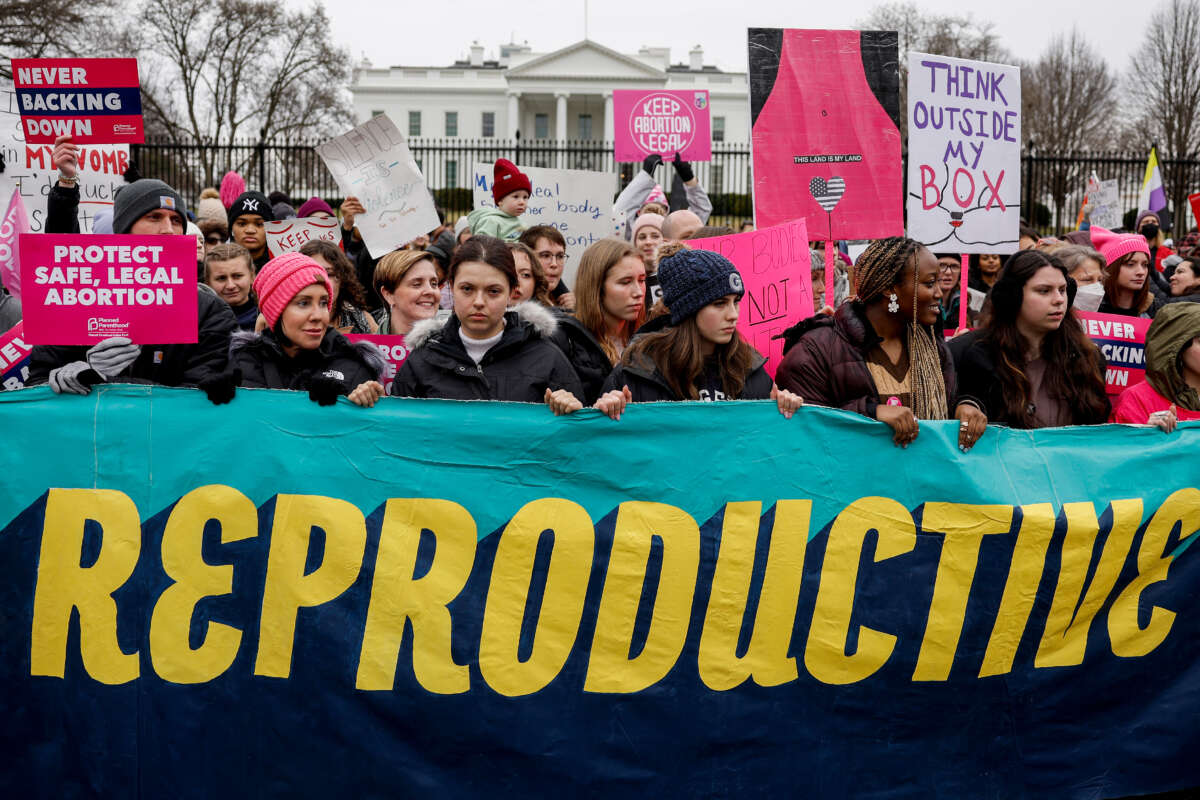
(92,100)
(662,122)
(81,288)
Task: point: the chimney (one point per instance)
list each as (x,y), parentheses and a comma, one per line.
(697,59)
(476,54)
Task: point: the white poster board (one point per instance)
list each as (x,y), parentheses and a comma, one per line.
(289,235)
(1105,200)
(576,202)
(964,154)
(29,170)
(373,163)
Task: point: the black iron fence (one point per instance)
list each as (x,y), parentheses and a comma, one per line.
(1052,185)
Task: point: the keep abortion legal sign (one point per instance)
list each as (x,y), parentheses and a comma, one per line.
(662,122)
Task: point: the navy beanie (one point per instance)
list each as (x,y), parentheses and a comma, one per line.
(251,203)
(691,279)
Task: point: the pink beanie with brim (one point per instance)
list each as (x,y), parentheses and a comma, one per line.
(648,219)
(282,278)
(1114,245)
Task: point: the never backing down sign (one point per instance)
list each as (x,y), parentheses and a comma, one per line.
(92,100)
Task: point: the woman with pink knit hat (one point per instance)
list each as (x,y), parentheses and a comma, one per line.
(1127,277)
(300,350)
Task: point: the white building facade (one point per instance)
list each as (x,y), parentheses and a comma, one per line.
(565,95)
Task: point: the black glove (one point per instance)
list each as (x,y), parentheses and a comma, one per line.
(683,169)
(220,386)
(651,163)
(324,391)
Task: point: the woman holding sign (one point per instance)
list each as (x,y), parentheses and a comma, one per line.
(701,355)
(881,353)
(300,350)
(1171,391)
(1033,367)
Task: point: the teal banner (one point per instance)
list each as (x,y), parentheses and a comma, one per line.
(702,599)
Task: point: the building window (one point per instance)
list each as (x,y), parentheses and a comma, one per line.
(452,123)
(451,174)
(718,129)
(541,126)
(414,123)
(585,127)
(378,113)
(489,124)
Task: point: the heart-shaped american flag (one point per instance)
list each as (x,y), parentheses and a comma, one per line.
(827,191)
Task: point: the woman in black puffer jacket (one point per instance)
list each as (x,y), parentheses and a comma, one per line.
(299,350)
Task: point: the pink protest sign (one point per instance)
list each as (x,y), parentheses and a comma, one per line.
(393,350)
(14,359)
(1122,340)
(15,222)
(825,131)
(647,122)
(776,270)
(81,288)
(289,235)
(92,100)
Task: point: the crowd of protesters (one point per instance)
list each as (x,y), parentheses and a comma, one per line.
(486,314)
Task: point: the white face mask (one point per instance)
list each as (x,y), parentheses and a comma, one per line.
(1088,298)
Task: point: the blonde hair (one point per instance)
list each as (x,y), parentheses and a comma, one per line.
(392,268)
(594,266)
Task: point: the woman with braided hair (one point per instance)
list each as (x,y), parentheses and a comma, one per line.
(879,354)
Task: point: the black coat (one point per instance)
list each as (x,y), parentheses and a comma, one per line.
(585,354)
(519,368)
(647,384)
(164,364)
(264,365)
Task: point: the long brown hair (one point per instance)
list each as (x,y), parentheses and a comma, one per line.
(541,289)
(1073,363)
(1141,298)
(678,354)
(342,269)
(594,267)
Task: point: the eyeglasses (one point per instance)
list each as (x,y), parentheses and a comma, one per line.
(949,267)
(560,258)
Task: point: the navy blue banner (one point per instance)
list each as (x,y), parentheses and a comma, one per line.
(57,102)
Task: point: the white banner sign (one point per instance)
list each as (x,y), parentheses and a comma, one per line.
(576,202)
(289,235)
(1105,199)
(29,170)
(964,154)
(373,163)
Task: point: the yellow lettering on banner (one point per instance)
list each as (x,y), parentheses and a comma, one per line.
(397,596)
(825,654)
(610,668)
(1020,590)
(562,602)
(766,657)
(1128,638)
(170,651)
(964,527)
(287,589)
(1064,641)
(63,585)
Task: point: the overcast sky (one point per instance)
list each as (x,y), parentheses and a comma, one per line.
(432,33)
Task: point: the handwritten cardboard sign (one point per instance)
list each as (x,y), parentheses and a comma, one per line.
(29,169)
(647,122)
(289,235)
(92,100)
(1105,200)
(964,154)
(373,163)
(576,202)
(825,131)
(14,358)
(1122,340)
(393,350)
(81,288)
(776,269)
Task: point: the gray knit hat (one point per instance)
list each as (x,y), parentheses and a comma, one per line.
(691,279)
(135,200)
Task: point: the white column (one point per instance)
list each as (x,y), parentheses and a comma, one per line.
(514,114)
(609,134)
(560,126)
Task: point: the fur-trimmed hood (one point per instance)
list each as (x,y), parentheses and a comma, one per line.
(529,312)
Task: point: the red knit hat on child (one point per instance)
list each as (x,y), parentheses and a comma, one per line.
(1114,245)
(284,277)
(508,179)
